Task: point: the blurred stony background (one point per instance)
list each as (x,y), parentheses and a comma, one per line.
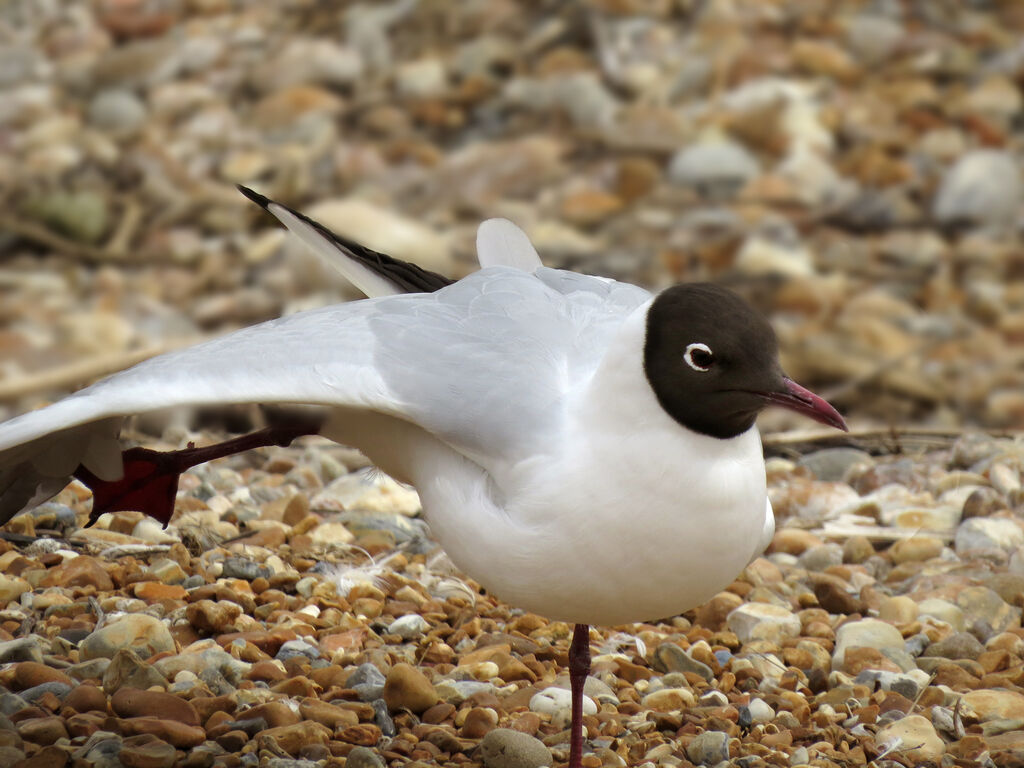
(850,166)
(853,167)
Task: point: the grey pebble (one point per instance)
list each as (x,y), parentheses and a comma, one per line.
(242,568)
(709,748)
(382,718)
(118,112)
(54,515)
(22,649)
(983,187)
(196,580)
(672,658)
(295,648)
(961,645)
(250,726)
(367,681)
(716,168)
(216,682)
(100,750)
(915,645)
(58,689)
(890,716)
(987,533)
(833,464)
(363,757)
(505,748)
(821,557)
(986,613)
(11,703)
(94,669)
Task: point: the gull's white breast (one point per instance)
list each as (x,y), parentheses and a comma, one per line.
(629,517)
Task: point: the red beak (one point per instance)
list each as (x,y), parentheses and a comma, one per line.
(801,400)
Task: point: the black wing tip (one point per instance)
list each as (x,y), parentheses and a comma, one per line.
(406,276)
(260,200)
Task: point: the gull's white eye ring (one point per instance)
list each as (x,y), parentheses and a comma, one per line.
(699,356)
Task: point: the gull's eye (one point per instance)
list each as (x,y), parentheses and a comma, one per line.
(699,356)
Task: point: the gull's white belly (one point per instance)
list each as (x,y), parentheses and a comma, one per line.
(646,540)
(614,539)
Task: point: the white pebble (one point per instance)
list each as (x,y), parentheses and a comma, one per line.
(760,711)
(553,700)
(408,627)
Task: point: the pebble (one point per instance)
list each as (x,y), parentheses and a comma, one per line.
(408,627)
(982,187)
(675,659)
(367,681)
(241,568)
(146,751)
(898,610)
(709,748)
(134,702)
(833,464)
(20,649)
(913,736)
(12,588)
(716,167)
(552,700)
(916,549)
(994,704)
(944,611)
(988,533)
(760,711)
(136,631)
(669,700)
(866,633)
(119,113)
(508,748)
(960,645)
(127,669)
(821,557)
(986,613)
(363,757)
(82,571)
(407,688)
(211,616)
(763,621)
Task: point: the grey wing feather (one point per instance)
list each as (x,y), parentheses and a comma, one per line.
(482,364)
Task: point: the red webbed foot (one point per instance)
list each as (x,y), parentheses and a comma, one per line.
(150,481)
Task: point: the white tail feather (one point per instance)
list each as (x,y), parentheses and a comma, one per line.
(366,280)
(499,242)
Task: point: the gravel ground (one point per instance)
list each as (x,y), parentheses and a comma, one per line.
(851,167)
(297,613)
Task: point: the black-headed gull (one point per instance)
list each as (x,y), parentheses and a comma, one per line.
(559,427)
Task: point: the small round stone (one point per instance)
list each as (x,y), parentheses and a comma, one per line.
(507,748)
(709,748)
(408,688)
(138,631)
(763,621)
(915,737)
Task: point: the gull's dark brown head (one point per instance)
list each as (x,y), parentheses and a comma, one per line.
(713,363)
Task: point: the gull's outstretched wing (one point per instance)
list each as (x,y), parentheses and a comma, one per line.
(483,364)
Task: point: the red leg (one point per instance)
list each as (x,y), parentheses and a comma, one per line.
(150,479)
(579,668)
